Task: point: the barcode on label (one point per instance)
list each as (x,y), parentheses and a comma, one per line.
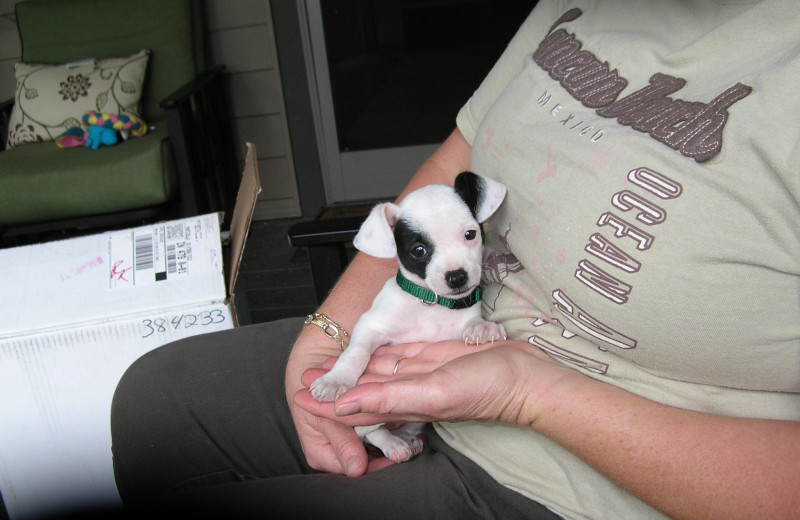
(143,251)
(172,260)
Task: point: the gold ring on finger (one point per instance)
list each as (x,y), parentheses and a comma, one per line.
(397,365)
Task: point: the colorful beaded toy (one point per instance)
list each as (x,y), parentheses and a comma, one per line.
(102,128)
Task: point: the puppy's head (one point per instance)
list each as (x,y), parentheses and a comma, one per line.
(435,233)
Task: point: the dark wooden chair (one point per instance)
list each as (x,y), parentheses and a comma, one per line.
(326,241)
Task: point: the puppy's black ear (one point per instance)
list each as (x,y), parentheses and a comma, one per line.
(482,195)
(468,187)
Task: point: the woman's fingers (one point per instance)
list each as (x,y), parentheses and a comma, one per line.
(329,446)
(418,358)
(400,404)
(414,358)
(348,450)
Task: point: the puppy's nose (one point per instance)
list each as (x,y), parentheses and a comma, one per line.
(455,279)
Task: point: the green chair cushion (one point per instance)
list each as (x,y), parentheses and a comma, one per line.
(56,31)
(42,182)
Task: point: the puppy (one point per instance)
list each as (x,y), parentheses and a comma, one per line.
(436,236)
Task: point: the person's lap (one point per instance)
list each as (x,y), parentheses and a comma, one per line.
(203,424)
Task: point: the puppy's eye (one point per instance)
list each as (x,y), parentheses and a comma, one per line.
(419,252)
(471,234)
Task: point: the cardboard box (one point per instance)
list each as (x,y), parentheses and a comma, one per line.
(74,315)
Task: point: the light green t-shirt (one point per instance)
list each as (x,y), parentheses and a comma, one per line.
(651,234)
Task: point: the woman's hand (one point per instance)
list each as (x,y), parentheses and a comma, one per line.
(444,381)
(328,445)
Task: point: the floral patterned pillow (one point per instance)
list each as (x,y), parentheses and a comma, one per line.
(50,99)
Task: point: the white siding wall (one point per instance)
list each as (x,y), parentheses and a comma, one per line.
(239,35)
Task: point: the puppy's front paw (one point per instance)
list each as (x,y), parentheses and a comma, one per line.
(483,332)
(330,386)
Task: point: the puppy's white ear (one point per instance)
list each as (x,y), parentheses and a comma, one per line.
(375,236)
(482,195)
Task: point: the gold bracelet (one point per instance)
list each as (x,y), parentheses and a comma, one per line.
(331,329)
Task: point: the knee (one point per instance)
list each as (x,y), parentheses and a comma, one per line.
(143,409)
(146,388)
(143,376)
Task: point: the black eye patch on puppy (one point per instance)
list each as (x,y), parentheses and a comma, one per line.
(414,247)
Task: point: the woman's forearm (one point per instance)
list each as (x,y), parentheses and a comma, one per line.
(687,464)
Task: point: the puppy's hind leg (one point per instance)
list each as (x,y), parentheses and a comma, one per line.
(398,446)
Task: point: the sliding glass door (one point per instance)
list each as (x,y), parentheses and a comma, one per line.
(388,78)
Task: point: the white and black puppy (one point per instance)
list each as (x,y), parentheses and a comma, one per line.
(435,233)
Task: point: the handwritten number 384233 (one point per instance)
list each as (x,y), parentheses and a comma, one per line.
(201,319)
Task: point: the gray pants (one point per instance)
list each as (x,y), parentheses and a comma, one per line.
(202,425)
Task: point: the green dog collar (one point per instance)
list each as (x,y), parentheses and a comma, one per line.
(431,298)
